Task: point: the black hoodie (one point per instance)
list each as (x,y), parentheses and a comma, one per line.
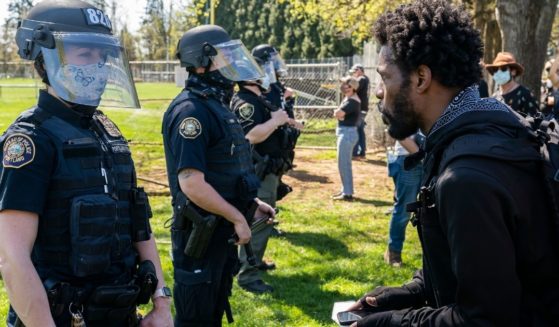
(489,256)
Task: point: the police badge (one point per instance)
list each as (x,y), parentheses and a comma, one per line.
(246,111)
(19,150)
(190,128)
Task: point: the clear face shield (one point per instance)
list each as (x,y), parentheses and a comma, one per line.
(279,65)
(270,71)
(90,69)
(235,62)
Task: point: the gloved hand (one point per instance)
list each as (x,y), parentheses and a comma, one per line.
(385,298)
(380,319)
(390,298)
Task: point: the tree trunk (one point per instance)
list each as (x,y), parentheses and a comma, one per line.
(525,29)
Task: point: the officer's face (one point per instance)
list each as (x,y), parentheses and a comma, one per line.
(81,55)
(397,109)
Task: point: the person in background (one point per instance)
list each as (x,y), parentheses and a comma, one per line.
(406,186)
(348,115)
(358,72)
(504,70)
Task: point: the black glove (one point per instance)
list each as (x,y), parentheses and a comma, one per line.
(395,298)
(380,319)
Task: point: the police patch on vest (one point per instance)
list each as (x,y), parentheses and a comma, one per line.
(109,126)
(19,150)
(246,111)
(190,128)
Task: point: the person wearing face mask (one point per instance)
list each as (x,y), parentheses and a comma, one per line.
(266,127)
(73,223)
(211,175)
(348,115)
(504,70)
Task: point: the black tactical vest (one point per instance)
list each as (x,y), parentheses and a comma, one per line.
(85,231)
(229,161)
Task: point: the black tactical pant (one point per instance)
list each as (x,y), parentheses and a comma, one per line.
(203,286)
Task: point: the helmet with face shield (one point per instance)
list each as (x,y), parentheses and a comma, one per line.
(210,47)
(77,54)
(267,53)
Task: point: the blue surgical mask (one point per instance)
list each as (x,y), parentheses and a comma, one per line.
(501,77)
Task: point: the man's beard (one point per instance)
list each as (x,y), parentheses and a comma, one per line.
(402,121)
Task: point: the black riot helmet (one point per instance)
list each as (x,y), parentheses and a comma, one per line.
(195,46)
(36,29)
(263,53)
(76,53)
(211,47)
(266,53)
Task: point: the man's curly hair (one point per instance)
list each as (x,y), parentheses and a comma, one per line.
(436,34)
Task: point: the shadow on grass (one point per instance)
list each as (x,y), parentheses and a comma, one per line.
(304,292)
(376,203)
(305,176)
(322,243)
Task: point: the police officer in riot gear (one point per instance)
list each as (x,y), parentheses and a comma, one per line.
(281,97)
(210,172)
(73,223)
(263,124)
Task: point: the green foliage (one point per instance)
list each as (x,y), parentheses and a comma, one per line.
(259,21)
(352,19)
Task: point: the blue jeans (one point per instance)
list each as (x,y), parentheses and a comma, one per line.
(361,147)
(406,184)
(347,138)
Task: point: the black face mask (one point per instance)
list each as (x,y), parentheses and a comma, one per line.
(214,78)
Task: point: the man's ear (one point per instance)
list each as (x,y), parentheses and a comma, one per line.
(422,78)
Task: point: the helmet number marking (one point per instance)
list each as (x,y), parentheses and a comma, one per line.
(97,17)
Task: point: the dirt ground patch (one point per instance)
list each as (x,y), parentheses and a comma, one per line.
(316,173)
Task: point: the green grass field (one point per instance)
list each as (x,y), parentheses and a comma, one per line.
(332,252)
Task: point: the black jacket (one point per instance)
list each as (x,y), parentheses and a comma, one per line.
(489,256)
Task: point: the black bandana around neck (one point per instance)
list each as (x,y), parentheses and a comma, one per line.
(201,84)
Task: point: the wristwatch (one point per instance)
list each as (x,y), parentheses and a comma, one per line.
(161,292)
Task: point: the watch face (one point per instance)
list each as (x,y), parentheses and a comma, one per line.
(167,292)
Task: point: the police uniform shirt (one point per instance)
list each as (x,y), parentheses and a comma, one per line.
(191,130)
(249,110)
(252,112)
(28,159)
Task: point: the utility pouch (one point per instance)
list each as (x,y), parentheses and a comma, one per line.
(261,164)
(203,228)
(92,228)
(146,280)
(112,303)
(140,212)
(247,186)
(180,222)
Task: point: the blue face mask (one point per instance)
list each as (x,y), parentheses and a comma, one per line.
(501,77)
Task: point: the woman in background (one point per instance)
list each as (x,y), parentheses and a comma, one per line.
(347,115)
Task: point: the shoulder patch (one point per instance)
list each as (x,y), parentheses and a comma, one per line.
(246,111)
(190,128)
(19,150)
(108,125)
